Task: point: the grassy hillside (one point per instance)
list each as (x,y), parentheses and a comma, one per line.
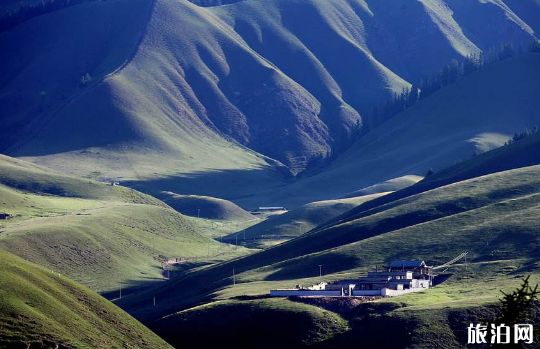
(394,184)
(286,226)
(206,207)
(256,322)
(516,155)
(476,114)
(287,79)
(102,236)
(27,177)
(492,217)
(40,309)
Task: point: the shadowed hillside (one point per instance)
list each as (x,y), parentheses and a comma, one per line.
(478,113)
(287,79)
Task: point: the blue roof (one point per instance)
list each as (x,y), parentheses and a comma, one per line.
(407,264)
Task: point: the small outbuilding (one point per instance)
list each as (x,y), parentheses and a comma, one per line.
(5,216)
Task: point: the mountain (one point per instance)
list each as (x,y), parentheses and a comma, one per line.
(157,93)
(105,237)
(40,309)
(478,113)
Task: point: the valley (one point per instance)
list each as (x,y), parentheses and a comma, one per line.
(164,164)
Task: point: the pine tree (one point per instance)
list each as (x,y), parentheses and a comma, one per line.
(535,47)
(506,51)
(414,96)
(516,306)
(471,64)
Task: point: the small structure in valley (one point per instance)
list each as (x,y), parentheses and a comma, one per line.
(398,277)
(5,216)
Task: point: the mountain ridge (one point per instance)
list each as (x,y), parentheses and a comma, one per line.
(290,96)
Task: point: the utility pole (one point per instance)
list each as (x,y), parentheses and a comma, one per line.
(154,300)
(120,294)
(244,234)
(198,213)
(320,270)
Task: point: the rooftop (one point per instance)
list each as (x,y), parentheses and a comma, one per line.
(407,264)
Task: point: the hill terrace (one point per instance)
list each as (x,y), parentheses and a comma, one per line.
(399,277)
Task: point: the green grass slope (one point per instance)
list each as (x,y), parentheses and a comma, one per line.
(206,207)
(257,324)
(519,154)
(287,79)
(492,217)
(394,184)
(102,130)
(478,113)
(24,176)
(286,226)
(40,309)
(102,236)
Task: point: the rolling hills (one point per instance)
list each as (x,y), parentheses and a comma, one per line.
(206,207)
(279,228)
(166,110)
(40,309)
(492,215)
(105,237)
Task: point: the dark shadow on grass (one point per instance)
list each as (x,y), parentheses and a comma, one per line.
(309,267)
(244,187)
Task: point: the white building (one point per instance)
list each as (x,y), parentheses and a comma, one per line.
(399,277)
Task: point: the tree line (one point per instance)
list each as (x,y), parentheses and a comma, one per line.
(448,75)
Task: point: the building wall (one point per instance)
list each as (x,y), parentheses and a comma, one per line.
(386,292)
(287,293)
(366,292)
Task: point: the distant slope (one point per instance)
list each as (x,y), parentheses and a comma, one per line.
(394,184)
(41,309)
(478,113)
(205,207)
(524,153)
(287,79)
(25,176)
(102,236)
(283,227)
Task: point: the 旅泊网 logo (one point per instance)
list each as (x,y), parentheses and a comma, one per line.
(500,334)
